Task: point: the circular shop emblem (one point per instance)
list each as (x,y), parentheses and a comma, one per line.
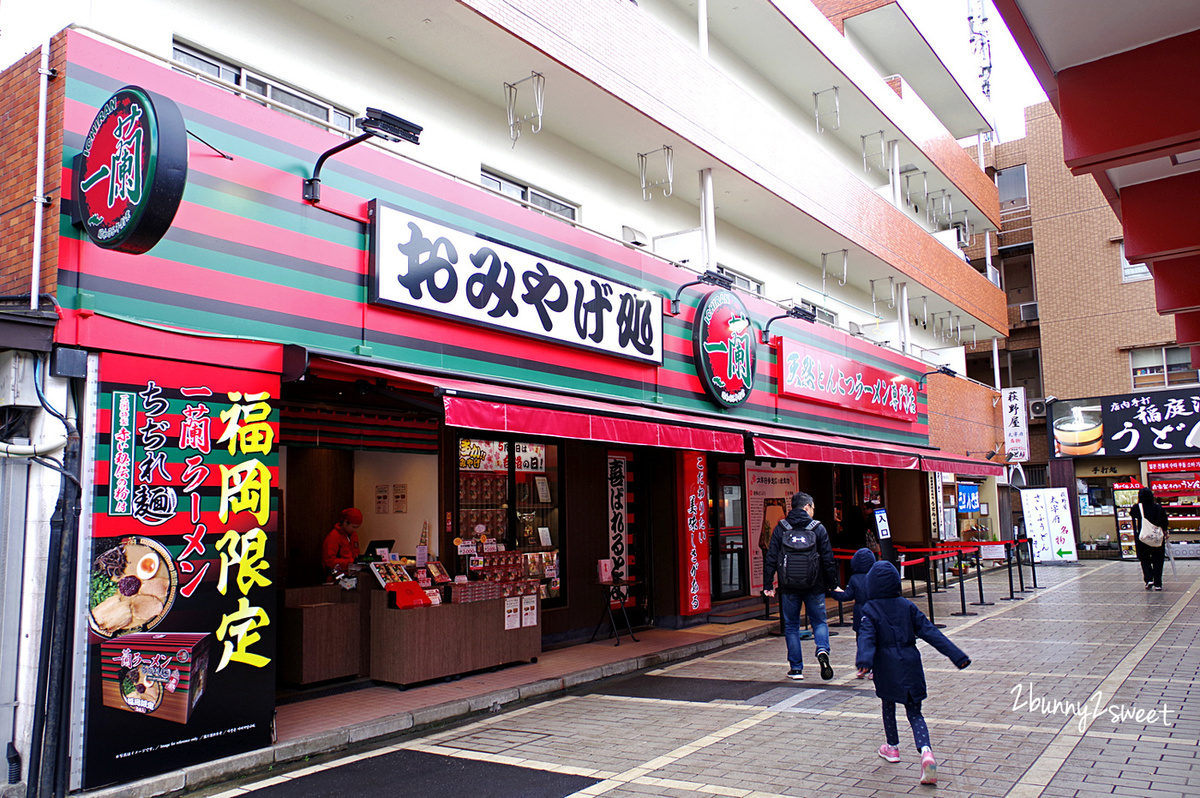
(132,171)
(724,347)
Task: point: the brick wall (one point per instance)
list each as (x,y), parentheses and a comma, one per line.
(962,417)
(1089,317)
(18,172)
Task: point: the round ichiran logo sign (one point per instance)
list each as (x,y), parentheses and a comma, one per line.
(132,171)
(724,347)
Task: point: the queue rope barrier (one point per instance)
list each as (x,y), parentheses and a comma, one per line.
(1008,557)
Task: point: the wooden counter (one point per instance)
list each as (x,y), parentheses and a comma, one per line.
(415,645)
(319,635)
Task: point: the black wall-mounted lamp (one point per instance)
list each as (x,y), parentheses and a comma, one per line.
(949,372)
(795,312)
(986,455)
(376,123)
(708,278)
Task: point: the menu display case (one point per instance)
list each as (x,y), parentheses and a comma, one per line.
(508,503)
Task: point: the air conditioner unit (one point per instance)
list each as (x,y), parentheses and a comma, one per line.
(1029,311)
(1037,408)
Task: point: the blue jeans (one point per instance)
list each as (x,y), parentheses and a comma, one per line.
(789,607)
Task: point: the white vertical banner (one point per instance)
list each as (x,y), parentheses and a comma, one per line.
(1016,424)
(1048,524)
(769,490)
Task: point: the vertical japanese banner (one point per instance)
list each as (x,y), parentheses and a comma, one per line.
(769,491)
(695,588)
(181,639)
(1048,524)
(1016,424)
(618,524)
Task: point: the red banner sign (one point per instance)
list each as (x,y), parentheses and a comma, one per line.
(1172,466)
(818,376)
(695,594)
(1175,487)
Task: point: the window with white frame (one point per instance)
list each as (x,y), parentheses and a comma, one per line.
(1133,272)
(824,315)
(540,200)
(262,86)
(1162,366)
(1010,184)
(748,284)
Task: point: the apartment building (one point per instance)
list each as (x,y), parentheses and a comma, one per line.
(537,287)
(1087,347)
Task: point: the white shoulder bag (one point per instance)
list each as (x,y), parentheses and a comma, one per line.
(1151,534)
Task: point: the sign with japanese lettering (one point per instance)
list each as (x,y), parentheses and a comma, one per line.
(1161,423)
(695,590)
(130,177)
(1172,466)
(1016,424)
(618,522)
(180,580)
(724,346)
(968,498)
(423,265)
(769,491)
(1048,524)
(815,375)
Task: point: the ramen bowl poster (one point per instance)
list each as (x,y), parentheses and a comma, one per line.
(180,575)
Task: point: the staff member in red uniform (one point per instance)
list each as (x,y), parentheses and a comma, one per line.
(341,544)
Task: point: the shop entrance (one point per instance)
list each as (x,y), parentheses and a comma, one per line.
(730,567)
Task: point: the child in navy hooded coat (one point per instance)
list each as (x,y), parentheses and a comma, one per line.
(856,585)
(887,644)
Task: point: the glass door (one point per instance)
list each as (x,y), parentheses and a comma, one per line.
(730,576)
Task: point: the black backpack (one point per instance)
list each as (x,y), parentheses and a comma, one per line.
(800,563)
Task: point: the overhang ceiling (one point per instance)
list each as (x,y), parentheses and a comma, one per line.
(900,47)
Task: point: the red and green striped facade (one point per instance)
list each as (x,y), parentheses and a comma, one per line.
(246,259)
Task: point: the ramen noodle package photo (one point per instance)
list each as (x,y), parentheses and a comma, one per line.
(158,674)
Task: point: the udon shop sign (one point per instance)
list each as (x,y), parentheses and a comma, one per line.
(815,375)
(180,584)
(1150,424)
(130,177)
(423,265)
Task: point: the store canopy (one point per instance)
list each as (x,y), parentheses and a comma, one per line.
(526,411)
(938,461)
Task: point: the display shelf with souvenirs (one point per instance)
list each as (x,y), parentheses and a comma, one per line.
(1124,497)
(1178,491)
(508,515)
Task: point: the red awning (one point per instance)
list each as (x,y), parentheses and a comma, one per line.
(524,411)
(772,444)
(938,461)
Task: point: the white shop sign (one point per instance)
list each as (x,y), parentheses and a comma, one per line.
(430,267)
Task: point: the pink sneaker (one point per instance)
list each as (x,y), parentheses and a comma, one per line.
(889,752)
(928,768)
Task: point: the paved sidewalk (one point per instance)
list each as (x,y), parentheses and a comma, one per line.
(1049,707)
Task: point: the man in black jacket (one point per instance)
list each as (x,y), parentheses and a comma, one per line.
(802,530)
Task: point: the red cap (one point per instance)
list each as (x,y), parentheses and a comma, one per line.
(350,515)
